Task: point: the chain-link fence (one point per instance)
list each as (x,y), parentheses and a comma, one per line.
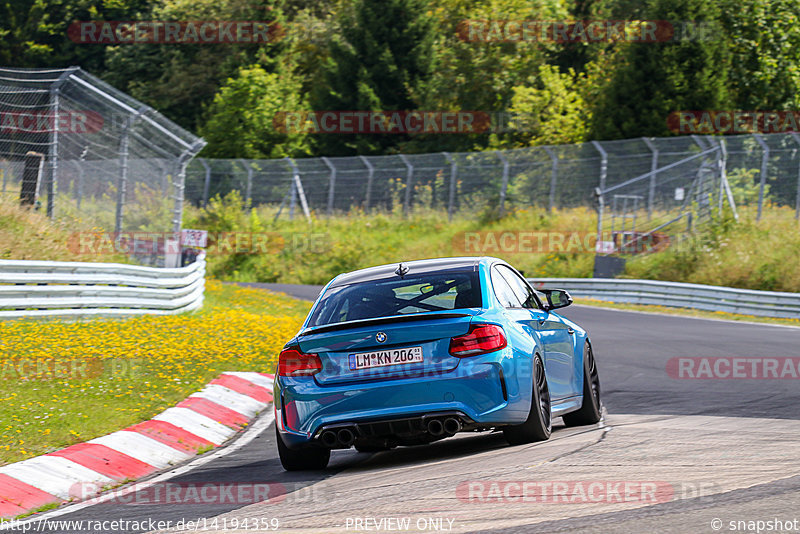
(761,169)
(76,146)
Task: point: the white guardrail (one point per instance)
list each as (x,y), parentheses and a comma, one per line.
(48,288)
(679,295)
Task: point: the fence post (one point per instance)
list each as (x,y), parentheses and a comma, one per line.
(651,193)
(797,198)
(409,177)
(504,186)
(248,192)
(55,103)
(123,171)
(207,181)
(452,194)
(180,181)
(601,187)
(370,175)
(553,178)
(763,181)
(331,184)
(724,178)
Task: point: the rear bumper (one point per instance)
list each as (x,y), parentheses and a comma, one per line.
(477,389)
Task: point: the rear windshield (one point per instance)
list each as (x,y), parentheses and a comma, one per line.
(417,293)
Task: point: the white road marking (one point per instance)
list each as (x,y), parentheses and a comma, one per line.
(259,426)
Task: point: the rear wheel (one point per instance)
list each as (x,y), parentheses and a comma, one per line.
(301,459)
(539,423)
(589,412)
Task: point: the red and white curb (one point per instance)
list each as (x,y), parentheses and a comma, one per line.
(204,420)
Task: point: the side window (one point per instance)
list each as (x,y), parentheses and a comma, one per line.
(519,286)
(503,291)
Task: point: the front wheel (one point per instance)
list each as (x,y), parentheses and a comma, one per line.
(589,412)
(539,424)
(301,459)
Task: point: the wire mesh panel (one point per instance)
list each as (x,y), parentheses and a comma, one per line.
(108,159)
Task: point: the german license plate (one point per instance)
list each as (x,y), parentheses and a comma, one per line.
(382,358)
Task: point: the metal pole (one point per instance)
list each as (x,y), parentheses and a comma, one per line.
(123,178)
(763,181)
(651,194)
(52,184)
(55,104)
(248,192)
(206,182)
(180,183)
(797,199)
(370,175)
(331,184)
(504,186)
(553,177)
(409,177)
(452,195)
(79,188)
(600,191)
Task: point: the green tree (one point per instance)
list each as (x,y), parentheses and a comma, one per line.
(378,62)
(765,45)
(549,110)
(180,80)
(652,80)
(35,33)
(241,122)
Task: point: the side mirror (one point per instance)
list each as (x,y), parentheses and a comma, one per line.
(556,298)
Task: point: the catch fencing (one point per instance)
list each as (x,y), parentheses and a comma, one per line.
(91,152)
(679,295)
(75,289)
(762,170)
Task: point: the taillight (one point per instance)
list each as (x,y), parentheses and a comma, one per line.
(479,340)
(292,362)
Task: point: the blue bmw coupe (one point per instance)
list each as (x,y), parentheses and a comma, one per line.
(410,353)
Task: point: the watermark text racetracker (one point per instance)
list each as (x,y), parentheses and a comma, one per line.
(108,526)
(569,242)
(734,368)
(106,243)
(173,32)
(585,31)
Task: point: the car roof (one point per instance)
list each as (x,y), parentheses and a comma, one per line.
(388,271)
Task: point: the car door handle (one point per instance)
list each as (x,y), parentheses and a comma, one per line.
(570,331)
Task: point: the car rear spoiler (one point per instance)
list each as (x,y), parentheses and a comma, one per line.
(382,320)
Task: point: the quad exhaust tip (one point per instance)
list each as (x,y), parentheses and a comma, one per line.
(329,438)
(346,437)
(452,426)
(435,428)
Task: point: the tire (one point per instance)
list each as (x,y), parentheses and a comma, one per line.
(539,424)
(312,458)
(589,412)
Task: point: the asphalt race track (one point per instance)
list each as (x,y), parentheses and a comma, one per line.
(713,450)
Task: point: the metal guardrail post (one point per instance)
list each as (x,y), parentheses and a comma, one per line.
(409,178)
(504,185)
(331,184)
(553,178)
(370,176)
(206,181)
(651,192)
(797,198)
(763,180)
(451,197)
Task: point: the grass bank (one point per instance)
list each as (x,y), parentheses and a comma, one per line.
(67,382)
